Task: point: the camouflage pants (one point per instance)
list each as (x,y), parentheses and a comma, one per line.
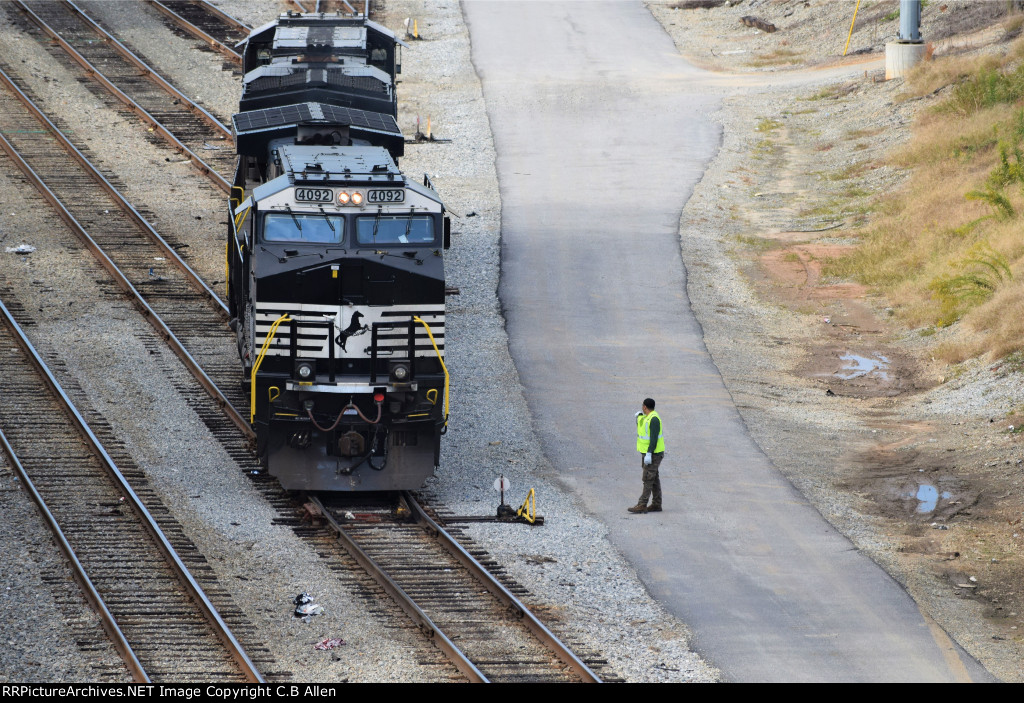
(652,483)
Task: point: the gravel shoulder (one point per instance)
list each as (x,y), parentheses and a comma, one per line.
(847,404)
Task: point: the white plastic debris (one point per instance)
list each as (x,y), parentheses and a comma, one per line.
(305,608)
(20,249)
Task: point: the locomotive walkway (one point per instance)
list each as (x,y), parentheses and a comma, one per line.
(601,133)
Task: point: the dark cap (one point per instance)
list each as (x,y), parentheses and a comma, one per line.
(649,403)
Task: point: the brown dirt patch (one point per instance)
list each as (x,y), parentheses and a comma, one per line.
(943,492)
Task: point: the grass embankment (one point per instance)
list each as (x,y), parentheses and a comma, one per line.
(949,248)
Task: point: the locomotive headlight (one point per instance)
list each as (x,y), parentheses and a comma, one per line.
(399,371)
(342,198)
(304,370)
(357,198)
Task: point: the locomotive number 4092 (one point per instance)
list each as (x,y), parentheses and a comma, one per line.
(314,195)
(385,196)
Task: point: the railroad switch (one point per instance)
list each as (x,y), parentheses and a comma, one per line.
(506,513)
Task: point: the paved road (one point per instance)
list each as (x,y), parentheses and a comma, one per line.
(602,131)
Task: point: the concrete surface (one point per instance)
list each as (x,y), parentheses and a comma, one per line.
(601,131)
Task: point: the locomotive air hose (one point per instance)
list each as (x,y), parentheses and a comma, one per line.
(337,421)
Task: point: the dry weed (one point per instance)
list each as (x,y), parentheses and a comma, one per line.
(932,76)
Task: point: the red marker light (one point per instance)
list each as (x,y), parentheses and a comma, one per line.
(379,397)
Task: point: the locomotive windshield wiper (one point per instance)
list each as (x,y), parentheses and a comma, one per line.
(404,255)
(408,228)
(294,218)
(376,224)
(326,217)
(291,254)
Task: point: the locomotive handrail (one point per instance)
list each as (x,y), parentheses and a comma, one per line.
(443,367)
(259,360)
(237,220)
(240,218)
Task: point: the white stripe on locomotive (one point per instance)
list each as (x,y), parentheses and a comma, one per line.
(312,341)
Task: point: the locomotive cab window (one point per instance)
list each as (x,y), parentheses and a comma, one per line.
(303,227)
(395,229)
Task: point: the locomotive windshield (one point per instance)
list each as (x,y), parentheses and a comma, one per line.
(395,229)
(303,227)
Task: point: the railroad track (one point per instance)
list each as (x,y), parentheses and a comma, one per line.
(174,299)
(329,6)
(219,30)
(99,219)
(181,122)
(469,614)
(160,619)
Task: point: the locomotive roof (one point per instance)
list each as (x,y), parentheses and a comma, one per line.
(334,36)
(331,164)
(321,162)
(336,28)
(287,68)
(254,122)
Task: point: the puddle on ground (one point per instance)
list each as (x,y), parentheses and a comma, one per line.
(858,366)
(928,497)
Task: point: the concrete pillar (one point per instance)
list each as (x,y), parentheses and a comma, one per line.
(901,57)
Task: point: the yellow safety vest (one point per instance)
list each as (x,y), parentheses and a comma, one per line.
(643,433)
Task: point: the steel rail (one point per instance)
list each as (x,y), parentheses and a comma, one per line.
(149,72)
(170,554)
(563,653)
(122,202)
(110,625)
(141,112)
(421,619)
(196,31)
(224,17)
(320,6)
(122,281)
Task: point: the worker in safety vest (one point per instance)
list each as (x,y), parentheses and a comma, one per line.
(650,442)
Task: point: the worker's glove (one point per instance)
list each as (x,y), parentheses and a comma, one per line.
(647,459)
(638,414)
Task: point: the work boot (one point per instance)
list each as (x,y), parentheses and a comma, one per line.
(638,508)
(654,509)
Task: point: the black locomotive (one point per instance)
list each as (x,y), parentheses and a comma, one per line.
(335,267)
